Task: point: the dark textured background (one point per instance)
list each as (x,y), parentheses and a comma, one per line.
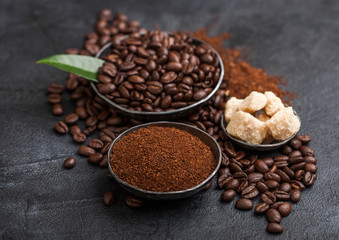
(41,200)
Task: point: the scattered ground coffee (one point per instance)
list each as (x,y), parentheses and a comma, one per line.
(162,159)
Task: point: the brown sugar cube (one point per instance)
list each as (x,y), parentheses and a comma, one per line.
(253,102)
(283,124)
(231,107)
(274,104)
(264,117)
(247,128)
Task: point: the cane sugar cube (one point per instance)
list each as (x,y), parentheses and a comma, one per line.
(283,124)
(232,106)
(253,102)
(274,104)
(246,127)
(263,117)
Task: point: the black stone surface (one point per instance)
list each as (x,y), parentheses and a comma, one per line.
(41,200)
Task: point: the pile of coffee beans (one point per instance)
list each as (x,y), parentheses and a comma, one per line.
(157,71)
(277,180)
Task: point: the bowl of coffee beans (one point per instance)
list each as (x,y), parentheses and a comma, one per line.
(157,75)
(164,160)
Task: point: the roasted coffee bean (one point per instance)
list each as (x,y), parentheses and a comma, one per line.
(57,109)
(69,162)
(61,127)
(261,166)
(228,195)
(91,121)
(261,187)
(295,195)
(299,175)
(296,160)
(242,186)
(250,192)
(273,215)
(95,143)
(297,185)
(295,154)
(109,198)
(239,155)
(272,176)
(244,204)
(245,163)
(310,167)
(268,197)
(54,98)
(241,176)
(105,148)
(295,143)
(224,171)
(71,118)
(250,169)
(271,184)
(230,152)
(134,202)
(255,177)
(284,177)
(95,157)
(85,150)
(286,150)
(89,130)
(223,179)
(273,169)
(268,161)
(288,171)
(55,88)
(208,186)
(200,94)
(235,167)
(310,159)
(261,208)
(79,137)
(232,184)
(281,195)
(309,178)
(286,187)
(276,205)
(304,138)
(275,228)
(285,209)
(224,160)
(81,111)
(298,166)
(281,161)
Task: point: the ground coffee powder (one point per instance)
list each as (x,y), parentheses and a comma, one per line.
(162,159)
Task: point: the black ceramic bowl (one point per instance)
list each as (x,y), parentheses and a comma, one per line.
(166,115)
(204,137)
(255,147)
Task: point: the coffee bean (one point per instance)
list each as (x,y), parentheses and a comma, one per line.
(271,184)
(299,174)
(232,184)
(89,130)
(286,150)
(75,129)
(296,160)
(288,171)
(200,94)
(260,166)
(268,161)
(310,167)
(85,150)
(273,215)
(54,98)
(284,177)
(242,186)
(228,195)
(95,157)
(309,178)
(223,179)
(134,202)
(79,137)
(268,197)
(208,186)
(57,109)
(261,208)
(272,176)
(109,198)
(281,195)
(286,187)
(71,118)
(276,204)
(255,177)
(95,143)
(244,204)
(285,209)
(304,138)
(55,88)
(224,171)
(310,159)
(61,127)
(81,112)
(298,166)
(240,176)
(295,154)
(69,162)
(295,195)
(297,185)
(274,228)
(295,143)
(250,192)
(261,187)
(235,167)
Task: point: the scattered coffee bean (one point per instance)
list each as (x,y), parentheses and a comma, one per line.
(307,151)
(295,143)
(304,138)
(228,195)
(285,209)
(85,150)
(244,204)
(54,98)
(95,157)
(274,228)
(61,127)
(134,202)
(109,198)
(273,215)
(71,118)
(79,137)
(250,192)
(55,88)
(295,195)
(261,208)
(95,143)
(268,197)
(286,187)
(57,109)
(208,186)
(69,162)
(276,204)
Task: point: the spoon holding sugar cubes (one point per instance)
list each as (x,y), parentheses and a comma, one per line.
(260,121)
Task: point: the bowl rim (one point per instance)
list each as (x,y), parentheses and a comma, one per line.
(162,113)
(153,193)
(261,147)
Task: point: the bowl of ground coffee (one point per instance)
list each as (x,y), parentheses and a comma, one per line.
(164,160)
(157,75)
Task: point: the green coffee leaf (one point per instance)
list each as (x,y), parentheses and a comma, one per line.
(83,66)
